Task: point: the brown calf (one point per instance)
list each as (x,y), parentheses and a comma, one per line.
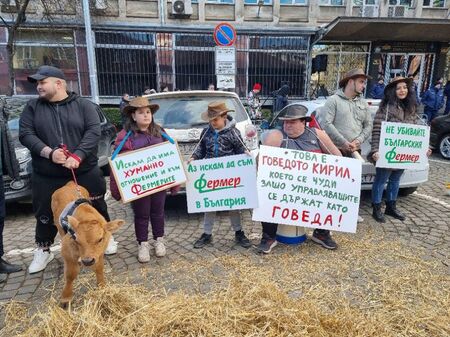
(84,235)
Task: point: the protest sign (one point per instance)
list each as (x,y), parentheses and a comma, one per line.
(308,189)
(225,183)
(403,146)
(148,170)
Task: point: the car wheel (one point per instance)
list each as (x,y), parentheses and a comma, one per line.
(444,146)
(407,191)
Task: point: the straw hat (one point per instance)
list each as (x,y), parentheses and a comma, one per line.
(354,73)
(140,102)
(294,111)
(398,79)
(215,109)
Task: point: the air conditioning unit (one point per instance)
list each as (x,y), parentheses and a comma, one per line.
(396,11)
(100,4)
(182,8)
(370,11)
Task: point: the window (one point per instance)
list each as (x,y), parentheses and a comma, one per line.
(228,2)
(274,61)
(293,2)
(331,2)
(434,3)
(255,2)
(400,2)
(36,48)
(365,2)
(126,62)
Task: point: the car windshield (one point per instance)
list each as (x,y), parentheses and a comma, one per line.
(185,112)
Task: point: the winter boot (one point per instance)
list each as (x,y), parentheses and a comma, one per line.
(377,214)
(391,209)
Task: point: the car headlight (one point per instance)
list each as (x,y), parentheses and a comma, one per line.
(22,155)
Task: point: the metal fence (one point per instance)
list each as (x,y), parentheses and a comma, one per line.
(132,61)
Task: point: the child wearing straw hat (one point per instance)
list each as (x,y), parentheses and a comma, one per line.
(219,139)
(141,131)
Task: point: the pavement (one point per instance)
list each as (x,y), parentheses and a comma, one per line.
(427,226)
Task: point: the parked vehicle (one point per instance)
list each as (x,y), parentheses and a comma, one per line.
(180,115)
(440,135)
(21,189)
(410,180)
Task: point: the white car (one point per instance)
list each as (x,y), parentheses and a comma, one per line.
(409,181)
(180,115)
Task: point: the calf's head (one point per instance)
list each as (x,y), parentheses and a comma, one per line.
(91,233)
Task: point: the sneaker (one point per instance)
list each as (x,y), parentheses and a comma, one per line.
(360,219)
(40,260)
(204,240)
(324,239)
(266,245)
(144,252)
(160,249)
(242,240)
(112,247)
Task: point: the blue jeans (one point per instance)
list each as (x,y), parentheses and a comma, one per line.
(382,176)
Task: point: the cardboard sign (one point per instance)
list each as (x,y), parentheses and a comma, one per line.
(308,189)
(225,183)
(148,170)
(403,146)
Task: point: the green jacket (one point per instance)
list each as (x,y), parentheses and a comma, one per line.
(346,119)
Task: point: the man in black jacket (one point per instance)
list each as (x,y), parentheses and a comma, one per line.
(58,119)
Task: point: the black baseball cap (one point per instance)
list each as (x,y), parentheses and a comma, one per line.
(46,71)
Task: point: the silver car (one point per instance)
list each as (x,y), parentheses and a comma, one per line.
(180,115)
(409,181)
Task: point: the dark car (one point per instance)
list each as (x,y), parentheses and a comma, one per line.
(440,135)
(16,190)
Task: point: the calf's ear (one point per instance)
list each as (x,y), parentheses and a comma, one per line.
(112,226)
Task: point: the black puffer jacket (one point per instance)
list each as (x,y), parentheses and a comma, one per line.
(73,121)
(225,142)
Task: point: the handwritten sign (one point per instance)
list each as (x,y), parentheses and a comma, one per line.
(308,189)
(403,146)
(148,170)
(218,184)
(226,81)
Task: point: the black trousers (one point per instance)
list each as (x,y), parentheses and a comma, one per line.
(2,213)
(43,188)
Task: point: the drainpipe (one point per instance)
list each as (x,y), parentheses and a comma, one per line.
(162,13)
(90,53)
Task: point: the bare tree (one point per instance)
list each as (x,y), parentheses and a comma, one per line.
(21,7)
(49,10)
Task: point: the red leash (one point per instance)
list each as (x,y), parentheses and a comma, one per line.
(74,156)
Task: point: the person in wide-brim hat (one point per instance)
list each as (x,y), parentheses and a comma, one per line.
(215,109)
(398,79)
(294,111)
(352,74)
(140,102)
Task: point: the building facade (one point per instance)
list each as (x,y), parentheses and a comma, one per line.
(154,44)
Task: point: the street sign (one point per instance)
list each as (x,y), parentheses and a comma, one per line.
(225,61)
(224,34)
(226,81)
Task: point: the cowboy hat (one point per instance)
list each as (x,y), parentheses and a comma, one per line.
(398,79)
(294,111)
(354,73)
(215,109)
(140,102)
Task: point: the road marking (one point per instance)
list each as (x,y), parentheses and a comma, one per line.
(436,200)
(14,252)
(440,161)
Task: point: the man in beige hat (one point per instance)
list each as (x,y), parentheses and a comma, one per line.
(347,118)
